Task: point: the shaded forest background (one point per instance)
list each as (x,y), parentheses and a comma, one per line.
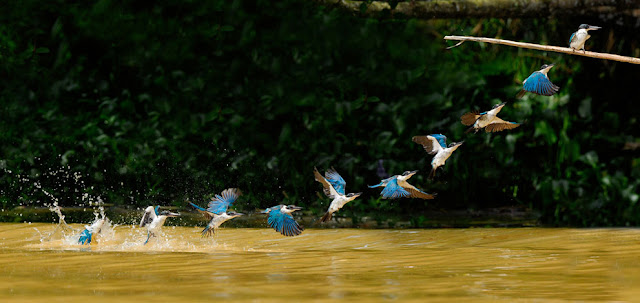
(141,104)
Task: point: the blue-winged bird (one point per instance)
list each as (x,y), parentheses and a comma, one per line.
(577,40)
(488,120)
(217,212)
(282,221)
(436,144)
(538,83)
(89,232)
(154,220)
(333,186)
(397,187)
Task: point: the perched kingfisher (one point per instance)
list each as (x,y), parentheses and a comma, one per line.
(436,144)
(217,212)
(334,187)
(538,83)
(154,220)
(577,40)
(488,120)
(397,187)
(282,221)
(89,231)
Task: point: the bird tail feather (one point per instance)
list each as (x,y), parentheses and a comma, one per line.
(432,174)
(469,130)
(377,185)
(326,217)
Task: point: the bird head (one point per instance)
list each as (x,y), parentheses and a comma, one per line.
(352,196)
(454,144)
(169,214)
(407,174)
(588,27)
(546,67)
(499,105)
(290,208)
(233,214)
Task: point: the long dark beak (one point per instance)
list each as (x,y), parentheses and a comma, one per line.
(593,27)
(414,172)
(173,215)
(295,207)
(239,214)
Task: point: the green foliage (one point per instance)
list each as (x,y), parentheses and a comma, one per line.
(166,103)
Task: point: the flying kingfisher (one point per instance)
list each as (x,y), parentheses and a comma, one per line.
(436,144)
(89,231)
(282,221)
(488,120)
(538,83)
(577,40)
(154,220)
(397,187)
(334,187)
(217,212)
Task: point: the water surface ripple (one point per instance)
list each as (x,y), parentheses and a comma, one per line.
(259,265)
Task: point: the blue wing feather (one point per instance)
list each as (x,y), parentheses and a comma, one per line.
(441,139)
(85,237)
(198,207)
(284,223)
(571,39)
(539,83)
(336,180)
(394,191)
(220,203)
(156,210)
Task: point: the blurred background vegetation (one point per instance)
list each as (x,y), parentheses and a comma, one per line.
(141,104)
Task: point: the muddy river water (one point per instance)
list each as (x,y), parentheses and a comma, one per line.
(259,265)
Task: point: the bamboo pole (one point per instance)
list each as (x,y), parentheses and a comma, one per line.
(558,49)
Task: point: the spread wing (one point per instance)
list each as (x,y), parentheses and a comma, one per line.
(149,215)
(394,191)
(432,144)
(573,36)
(470,118)
(539,84)
(284,223)
(221,202)
(417,193)
(500,126)
(327,188)
(336,180)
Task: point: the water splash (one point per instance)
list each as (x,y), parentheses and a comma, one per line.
(62,226)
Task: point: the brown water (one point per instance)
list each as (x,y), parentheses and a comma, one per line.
(259,265)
